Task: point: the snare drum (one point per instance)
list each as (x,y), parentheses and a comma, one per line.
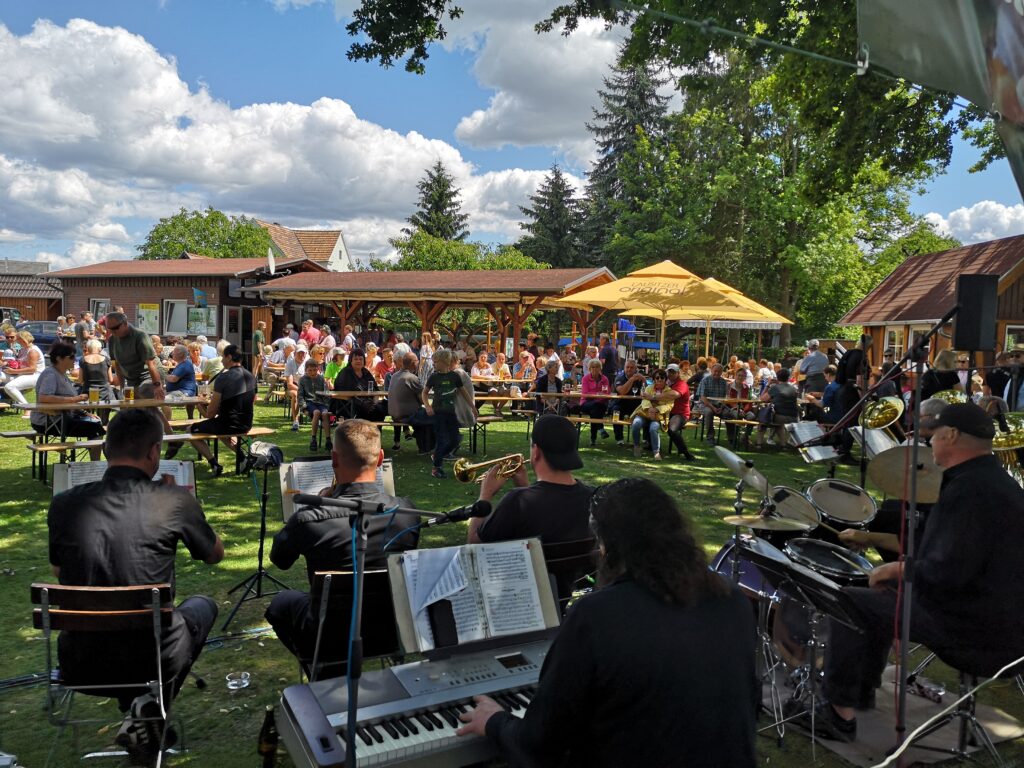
(842,504)
(842,565)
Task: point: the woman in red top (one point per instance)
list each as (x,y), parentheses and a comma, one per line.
(595,383)
(680,413)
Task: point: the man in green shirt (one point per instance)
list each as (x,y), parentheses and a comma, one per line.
(259,338)
(132,356)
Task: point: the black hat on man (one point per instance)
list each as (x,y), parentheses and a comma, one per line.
(556,438)
(967,418)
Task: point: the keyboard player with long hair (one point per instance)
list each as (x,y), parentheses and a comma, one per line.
(655,668)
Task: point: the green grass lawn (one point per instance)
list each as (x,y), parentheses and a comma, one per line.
(222,726)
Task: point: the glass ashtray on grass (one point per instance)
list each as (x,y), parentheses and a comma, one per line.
(237,680)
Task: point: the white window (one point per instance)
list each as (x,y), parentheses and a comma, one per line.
(99,307)
(894,339)
(1014,336)
(175,317)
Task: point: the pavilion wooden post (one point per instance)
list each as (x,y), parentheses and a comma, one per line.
(585,320)
(427,312)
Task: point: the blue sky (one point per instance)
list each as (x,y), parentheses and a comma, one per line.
(155,105)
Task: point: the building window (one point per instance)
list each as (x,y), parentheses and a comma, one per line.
(894,339)
(1014,336)
(99,307)
(175,317)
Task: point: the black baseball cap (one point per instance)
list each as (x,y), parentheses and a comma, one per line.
(556,438)
(967,418)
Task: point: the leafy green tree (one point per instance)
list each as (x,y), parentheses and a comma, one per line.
(440,211)
(552,223)
(629,100)
(207,233)
(393,29)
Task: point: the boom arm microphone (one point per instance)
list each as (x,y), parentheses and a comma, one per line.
(478,508)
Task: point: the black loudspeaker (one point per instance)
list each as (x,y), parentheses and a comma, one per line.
(975,325)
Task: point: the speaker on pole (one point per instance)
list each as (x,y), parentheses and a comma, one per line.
(974,327)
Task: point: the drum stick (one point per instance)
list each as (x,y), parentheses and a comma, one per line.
(855,564)
(828,527)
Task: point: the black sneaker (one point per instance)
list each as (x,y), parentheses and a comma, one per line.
(438,473)
(328,445)
(141,732)
(312,444)
(396,446)
(217,470)
(172,451)
(827,722)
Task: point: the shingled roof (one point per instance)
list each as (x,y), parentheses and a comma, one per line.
(443,285)
(190,267)
(315,244)
(27,287)
(923,288)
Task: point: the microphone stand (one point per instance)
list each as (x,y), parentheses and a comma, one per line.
(917,353)
(359,513)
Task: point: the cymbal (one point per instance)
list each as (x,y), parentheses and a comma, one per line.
(766,523)
(739,468)
(888,471)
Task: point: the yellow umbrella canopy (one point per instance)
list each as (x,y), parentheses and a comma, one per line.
(739,307)
(660,291)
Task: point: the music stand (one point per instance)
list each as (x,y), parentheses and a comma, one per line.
(254,583)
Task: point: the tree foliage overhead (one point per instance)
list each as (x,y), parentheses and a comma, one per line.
(440,210)
(207,233)
(552,223)
(394,28)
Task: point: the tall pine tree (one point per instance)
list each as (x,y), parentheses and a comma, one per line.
(440,210)
(553,223)
(629,100)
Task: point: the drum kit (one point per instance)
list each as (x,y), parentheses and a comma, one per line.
(793,571)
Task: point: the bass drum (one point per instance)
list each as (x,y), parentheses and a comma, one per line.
(751,581)
(787,620)
(842,504)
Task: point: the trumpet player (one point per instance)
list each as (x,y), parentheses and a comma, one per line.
(555,508)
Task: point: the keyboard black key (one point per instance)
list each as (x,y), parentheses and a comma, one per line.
(366,737)
(432,717)
(424,721)
(374,733)
(391,730)
(449,718)
(409,725)
(521,699)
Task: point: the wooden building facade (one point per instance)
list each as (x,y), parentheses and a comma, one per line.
(918,293)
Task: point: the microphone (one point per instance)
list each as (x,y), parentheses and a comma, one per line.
(479,508)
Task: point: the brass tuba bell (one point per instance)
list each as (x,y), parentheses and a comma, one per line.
(884,414)
(951,396)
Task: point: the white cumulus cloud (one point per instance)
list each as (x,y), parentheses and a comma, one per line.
(97,127)
(985,220)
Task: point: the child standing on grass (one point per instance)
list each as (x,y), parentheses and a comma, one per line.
(311,383)
(445,385)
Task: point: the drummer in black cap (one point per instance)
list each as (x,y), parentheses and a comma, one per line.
(555,508)
(968,583)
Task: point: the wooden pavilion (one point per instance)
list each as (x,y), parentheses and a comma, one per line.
(508,296)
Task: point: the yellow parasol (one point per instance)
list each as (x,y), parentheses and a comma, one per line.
(667,291)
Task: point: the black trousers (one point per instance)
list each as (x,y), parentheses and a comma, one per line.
(595,409)
(98,658)
(676,428)
(854,661)
(290,613)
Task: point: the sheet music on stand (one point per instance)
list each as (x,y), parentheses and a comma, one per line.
(805,431)
(80,472)
(878,440)
(314,476)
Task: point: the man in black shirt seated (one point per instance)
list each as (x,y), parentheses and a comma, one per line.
(323,536)
(230,409)
(555,508)
(969,585)
(124,531)
(656,668)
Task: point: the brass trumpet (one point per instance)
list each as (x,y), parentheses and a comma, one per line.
(507,466)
